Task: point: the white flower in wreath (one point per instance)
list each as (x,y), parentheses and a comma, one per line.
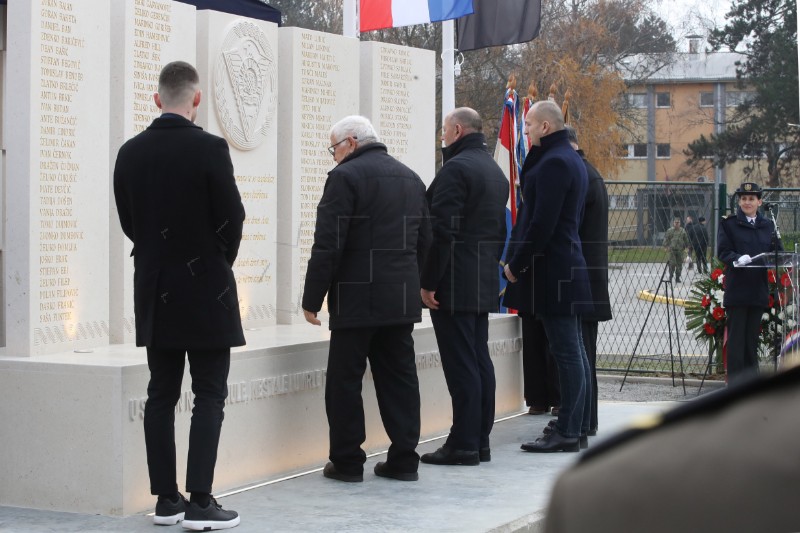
(719,296)
(764,317)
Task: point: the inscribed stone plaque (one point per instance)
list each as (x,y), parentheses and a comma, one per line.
(58,103)
(318,86)
(398,94)
(146,35)
(238,63)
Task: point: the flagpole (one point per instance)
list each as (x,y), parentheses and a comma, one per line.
(448,63)
(350,18)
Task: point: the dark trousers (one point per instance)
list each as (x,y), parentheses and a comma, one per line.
(209,371)
(743,326)
(390,351)
(700,259)
(539,372)
(469,372)
(589,333)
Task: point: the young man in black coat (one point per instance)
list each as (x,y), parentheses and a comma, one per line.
(178,202)
(742,236)
(461,281)
(372,232)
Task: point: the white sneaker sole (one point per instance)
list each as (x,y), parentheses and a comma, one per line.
(168,520)
(209,525)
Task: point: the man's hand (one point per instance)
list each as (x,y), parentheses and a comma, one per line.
(311,317)
(509,276)
(428,299)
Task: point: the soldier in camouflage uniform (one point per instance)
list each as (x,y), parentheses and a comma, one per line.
(676,242)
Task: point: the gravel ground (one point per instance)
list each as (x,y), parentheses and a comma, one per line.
(647,389)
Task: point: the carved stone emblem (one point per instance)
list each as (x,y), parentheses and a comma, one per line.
(245,85)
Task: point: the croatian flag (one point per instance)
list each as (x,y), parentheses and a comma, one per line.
(380,14)
(508,157)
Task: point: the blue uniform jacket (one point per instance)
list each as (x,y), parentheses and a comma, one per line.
(736,237)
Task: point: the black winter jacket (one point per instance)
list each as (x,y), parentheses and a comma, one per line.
(371,234)
(467,201)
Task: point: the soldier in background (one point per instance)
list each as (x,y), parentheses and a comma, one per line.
(676,242)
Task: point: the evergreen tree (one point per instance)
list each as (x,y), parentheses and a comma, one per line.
(760,131)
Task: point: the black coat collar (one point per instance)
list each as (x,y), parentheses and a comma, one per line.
(472,140)
(173,121)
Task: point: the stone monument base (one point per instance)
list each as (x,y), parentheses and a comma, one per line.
(73,434)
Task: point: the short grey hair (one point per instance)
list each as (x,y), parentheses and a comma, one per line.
(469,119)
(572,135)
(356,126)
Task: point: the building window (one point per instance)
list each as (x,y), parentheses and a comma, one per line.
(662,151)
(736,98)
(622,201)
(662,100)
(638,100)
(706,99)
(634,151)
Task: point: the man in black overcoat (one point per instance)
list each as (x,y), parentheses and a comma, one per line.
(371,233)
(460,281)
(547,269)
(593,232)
(178,202)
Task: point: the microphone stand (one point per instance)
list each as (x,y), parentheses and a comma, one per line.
(776,239)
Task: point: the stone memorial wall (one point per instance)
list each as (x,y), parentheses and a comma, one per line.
(56,260)
(318,87)
(238,63)
(146,35)
(397,88)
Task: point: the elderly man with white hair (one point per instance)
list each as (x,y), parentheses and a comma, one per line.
(371,234)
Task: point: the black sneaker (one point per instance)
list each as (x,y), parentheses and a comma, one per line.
(169,513)
(209,518)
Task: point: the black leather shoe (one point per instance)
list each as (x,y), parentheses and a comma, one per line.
(382,469)
(553,442)
(584,442)
(330,472)
(448,456)
(485,454)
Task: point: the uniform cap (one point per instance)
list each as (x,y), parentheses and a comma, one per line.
(749,187)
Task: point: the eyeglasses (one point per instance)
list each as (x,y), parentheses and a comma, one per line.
(332,148)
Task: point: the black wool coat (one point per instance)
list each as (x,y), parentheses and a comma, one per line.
(178,202)
(467,201)
(371,235)
(545,250)
(745,286)
(593,232)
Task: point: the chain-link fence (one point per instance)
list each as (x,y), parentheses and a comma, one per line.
(642,299)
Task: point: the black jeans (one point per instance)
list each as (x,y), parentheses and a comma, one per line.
(209,371)
(469,372)
(390,350)
(539,371)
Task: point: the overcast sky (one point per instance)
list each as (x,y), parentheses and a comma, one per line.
(691,16)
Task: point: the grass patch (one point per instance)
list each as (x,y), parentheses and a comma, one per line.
(637,254)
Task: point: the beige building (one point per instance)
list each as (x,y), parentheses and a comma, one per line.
(695,94)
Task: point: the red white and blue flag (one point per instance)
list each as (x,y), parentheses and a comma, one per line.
(380,14)
(509,153)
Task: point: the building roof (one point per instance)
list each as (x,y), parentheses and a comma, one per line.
(681,67)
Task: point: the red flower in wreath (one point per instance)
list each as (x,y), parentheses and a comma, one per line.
(771,276)
(716,274)
(706,301)
(771,301)
(709,328)
(786,281)
(718,313)
(782,299)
